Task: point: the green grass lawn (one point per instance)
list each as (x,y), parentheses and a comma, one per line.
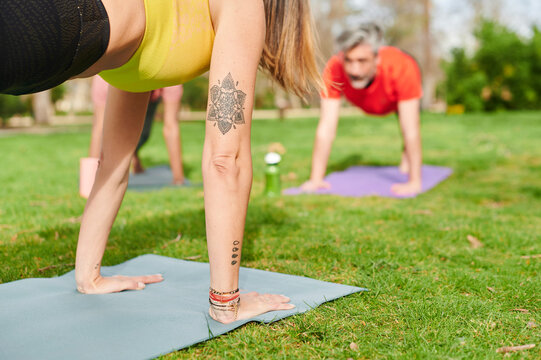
(432,295)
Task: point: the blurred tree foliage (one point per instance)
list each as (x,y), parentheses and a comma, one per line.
(22,105)
(11,105)
(196,92)
(58,92)
(504,73)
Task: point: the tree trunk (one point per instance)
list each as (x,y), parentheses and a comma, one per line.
(43,107)
(328,13)
(429,83)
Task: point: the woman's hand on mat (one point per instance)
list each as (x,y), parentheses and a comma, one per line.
(253,304)
(314,185)
(409,188)
(106,285)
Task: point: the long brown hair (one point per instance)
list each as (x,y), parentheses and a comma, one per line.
(291,53)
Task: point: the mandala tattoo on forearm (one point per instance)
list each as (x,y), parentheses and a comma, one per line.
(235,252)
(226,105)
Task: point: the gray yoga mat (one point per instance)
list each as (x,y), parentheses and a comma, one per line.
(155,178)
(48,319)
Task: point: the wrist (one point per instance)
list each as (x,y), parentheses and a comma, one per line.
(224,306)
(86,282)
(415,181)
(415,176)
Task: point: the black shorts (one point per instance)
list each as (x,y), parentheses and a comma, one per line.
(45,42)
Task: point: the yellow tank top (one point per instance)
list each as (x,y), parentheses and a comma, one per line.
(176,47)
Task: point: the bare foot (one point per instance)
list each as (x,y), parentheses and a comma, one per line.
(313,185)
(180,182)
(253,304)
(404,189)
(106,285)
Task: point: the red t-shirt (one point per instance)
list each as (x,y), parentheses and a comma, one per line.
(398,78)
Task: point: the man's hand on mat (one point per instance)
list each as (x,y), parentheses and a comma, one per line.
(314,185)
(106,285)
(253,304)
(409,188)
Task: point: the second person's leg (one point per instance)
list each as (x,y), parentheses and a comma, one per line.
(171,131)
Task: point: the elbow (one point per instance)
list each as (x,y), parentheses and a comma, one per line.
(225,165)
(114,173)
(227,168)
(412,138)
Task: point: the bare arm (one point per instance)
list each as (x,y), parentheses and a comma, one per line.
(325,134)
(227,163)
(410,125)
(124,116)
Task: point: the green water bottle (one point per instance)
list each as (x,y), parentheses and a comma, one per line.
(272,174)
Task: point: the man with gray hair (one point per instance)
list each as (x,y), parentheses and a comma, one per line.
(380,80)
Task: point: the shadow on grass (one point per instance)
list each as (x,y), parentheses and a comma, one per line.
(531,190)
(352,160)
(53,249)
(149,162)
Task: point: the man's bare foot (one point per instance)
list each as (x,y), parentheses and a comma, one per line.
(252,304)
(106,285)
(404,189)
(313,185)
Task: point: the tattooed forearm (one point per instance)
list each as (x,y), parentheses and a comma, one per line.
(226,105)
(235,252)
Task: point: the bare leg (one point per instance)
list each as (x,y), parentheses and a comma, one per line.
(171,134)
(89,166)
(137,166)
(97,131)
(404,164)
(123,122)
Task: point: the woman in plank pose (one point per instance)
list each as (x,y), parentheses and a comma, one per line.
(141,45)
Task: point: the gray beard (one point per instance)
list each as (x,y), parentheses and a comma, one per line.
(360,84)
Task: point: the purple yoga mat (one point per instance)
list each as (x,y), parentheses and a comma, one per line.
(360,181)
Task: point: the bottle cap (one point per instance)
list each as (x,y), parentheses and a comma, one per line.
(272,158)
